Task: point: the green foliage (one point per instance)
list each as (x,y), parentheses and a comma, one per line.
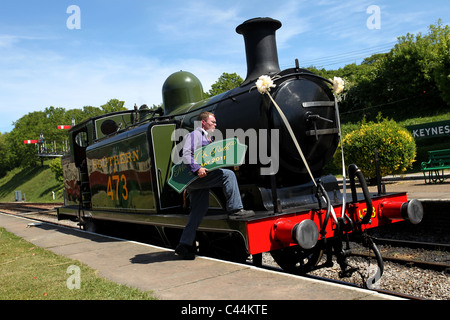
(411,79)
(226,82)
(113,105)
(4,158)
(395,145)
(14,153)
(439,38)
(56,167)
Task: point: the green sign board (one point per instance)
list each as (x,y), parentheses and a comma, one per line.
(223,153)
(430,130)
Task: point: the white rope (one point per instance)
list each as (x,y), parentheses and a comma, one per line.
(344,177)
(288,126)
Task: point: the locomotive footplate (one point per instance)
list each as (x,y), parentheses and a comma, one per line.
(266,230)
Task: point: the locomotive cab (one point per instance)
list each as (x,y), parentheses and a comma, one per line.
(75,169)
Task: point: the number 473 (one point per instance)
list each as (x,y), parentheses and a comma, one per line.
(116,181)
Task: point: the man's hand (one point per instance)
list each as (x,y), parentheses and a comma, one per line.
(202,172)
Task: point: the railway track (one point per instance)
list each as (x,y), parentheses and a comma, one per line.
(412,244)
(42,212)
(414,268)
(421,257)
(29,208)
(410,262)
(47,213)
(271,267)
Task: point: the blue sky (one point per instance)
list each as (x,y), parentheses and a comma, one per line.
(126,49)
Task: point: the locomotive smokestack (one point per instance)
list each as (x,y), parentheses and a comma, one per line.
(260,47)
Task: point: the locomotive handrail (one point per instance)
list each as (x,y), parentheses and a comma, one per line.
(352,171)
(314,104)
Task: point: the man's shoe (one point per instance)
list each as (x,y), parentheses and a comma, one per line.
(184,252)
(241,214)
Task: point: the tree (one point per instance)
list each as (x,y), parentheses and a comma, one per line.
(439,38)
(15,153)
(226,82)
(4,165)
(27,127)
(113,105)
(412,78)
(359,99)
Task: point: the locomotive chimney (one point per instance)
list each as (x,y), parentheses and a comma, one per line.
(260,47)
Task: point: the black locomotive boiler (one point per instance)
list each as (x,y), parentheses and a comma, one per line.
(119,166)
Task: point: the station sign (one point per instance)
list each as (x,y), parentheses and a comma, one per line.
(430,130)
(223,153)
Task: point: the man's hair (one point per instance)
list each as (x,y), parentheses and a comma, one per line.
(204,115)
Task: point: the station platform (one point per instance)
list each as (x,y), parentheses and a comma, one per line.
(148,267)
(415,186)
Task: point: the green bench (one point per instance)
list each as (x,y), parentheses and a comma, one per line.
(438,161)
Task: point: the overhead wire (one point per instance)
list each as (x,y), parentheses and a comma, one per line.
(349,56)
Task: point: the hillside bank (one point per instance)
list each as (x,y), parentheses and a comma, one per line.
(36,184)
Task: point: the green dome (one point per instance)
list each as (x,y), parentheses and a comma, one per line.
(179,89)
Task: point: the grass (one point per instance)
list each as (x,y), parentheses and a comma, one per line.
(36,184)
(28,272)
(420,120)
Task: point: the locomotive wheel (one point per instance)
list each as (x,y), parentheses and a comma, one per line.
(296,259)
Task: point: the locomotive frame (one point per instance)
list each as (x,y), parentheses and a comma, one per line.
(119,165)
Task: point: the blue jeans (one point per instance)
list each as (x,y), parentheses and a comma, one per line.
(199,198)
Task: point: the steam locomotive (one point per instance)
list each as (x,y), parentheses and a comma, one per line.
(120,163)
